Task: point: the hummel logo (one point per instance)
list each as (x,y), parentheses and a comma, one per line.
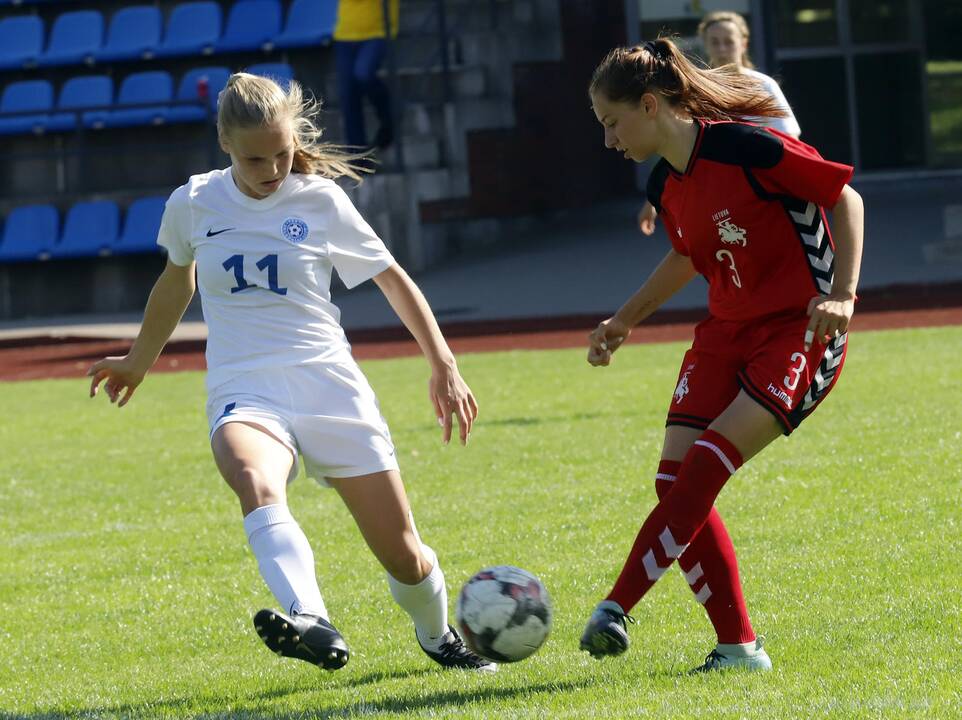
(211,232)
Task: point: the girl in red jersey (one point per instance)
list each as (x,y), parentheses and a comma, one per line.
(744,206)
(725,35)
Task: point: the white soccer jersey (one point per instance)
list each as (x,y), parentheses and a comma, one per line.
(787,124)
(264,268)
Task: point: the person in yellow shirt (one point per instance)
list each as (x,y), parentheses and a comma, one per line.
(359,48)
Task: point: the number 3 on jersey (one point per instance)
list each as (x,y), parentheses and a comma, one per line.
(268,263)
(723,255)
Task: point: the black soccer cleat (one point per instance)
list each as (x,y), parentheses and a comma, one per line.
(606,632)
(305,637)
(453,654)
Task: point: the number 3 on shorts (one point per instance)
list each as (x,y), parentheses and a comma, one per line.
(795,372)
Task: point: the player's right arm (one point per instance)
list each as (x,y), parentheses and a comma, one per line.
(672,274)
(165,307)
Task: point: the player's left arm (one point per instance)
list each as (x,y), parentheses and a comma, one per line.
(450,395)
(830,314)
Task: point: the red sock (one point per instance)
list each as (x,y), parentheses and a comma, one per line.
(711,569)
(677,517)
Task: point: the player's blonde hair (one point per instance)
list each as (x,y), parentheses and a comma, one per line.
(249,101)
(735,19)
(722,93)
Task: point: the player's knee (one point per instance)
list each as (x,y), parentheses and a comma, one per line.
(253,488)
(687,509)
(405,563)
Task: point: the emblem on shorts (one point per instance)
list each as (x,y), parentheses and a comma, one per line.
(728,232)
(294,230)
(682,388)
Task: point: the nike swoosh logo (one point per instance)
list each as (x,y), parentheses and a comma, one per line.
(211,232)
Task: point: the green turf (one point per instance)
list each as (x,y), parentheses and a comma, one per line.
(126,586)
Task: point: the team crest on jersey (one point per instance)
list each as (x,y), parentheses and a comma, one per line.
(728,232)
(294,230)
(682,388)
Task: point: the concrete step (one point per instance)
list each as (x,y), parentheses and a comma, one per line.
(421,16)
(525,43)
(423,84)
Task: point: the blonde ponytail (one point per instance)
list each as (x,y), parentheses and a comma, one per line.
(253,101)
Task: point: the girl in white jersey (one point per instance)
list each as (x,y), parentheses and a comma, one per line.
(725,36)
(263,236)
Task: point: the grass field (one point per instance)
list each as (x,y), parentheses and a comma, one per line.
(126,586)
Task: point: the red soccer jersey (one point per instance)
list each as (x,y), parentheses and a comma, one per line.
(748,211)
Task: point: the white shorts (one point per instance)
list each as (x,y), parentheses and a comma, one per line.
(327,413)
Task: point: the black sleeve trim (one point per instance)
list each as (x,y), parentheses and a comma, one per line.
(735,143)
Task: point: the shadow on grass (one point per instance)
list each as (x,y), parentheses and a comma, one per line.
(448,697)
(379,675)
(523,421)
(191,705)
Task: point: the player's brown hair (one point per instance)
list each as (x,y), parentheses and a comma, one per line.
(253,101)
(723,93)
(735,19)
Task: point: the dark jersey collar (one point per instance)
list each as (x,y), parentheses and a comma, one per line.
(694,152)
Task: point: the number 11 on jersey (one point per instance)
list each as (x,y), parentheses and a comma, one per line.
(268,263)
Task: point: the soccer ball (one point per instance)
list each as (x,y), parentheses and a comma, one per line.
(504,613)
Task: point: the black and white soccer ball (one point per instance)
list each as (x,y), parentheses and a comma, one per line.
(504,613)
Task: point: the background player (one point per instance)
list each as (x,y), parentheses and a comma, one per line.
(743,206)
(263,236)
(725,35)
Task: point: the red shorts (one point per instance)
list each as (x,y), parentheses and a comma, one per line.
(766,358)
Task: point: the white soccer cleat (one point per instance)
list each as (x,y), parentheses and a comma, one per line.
(751,660)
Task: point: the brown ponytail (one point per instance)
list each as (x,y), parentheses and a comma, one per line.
(658,65)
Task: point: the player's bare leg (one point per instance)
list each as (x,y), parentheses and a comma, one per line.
(380,508)
(256,466)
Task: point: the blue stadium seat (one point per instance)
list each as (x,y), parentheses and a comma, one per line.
(83,91)
(251,25)
(141,227)
(21,41)
(134,34)
(89,230)
(74,38)
(192,29)
(30,233)
(190,89)
(25,96)
(281,72)
(309,22)
(154,86)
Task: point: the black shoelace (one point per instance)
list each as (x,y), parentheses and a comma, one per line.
(621,617)
(455,650)
(712,658)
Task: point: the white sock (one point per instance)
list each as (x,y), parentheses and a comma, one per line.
(737,649)
(285,559)
(426,602)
